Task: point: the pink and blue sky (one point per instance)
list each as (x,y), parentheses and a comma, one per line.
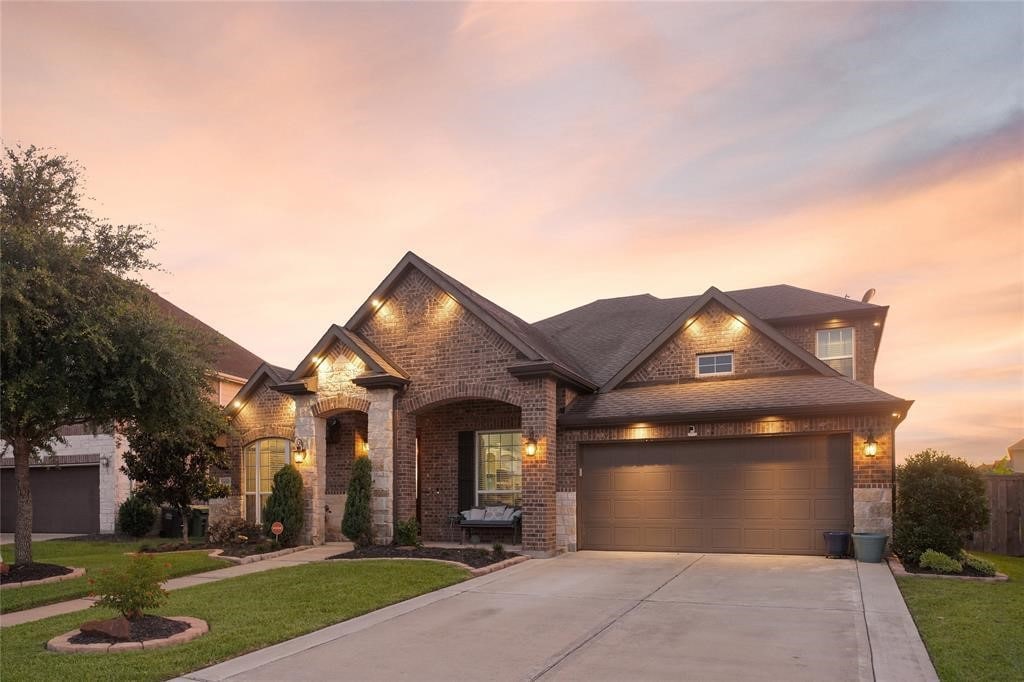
(287,155)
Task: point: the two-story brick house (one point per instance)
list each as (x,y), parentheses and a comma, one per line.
(738,422)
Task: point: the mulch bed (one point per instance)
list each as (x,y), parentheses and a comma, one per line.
(20,573)
(145,628)
(235,550)
(968,571)
(475,558)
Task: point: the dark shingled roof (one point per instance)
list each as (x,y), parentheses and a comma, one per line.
(603,336)
(696,399)
(231,358)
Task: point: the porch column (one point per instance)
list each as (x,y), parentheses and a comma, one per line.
(313,432)
(405,465)
(539,412)
(380,434)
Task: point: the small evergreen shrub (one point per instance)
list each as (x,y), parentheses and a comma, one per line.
(940,501)
(983,566)
(407,533)
(498,549)
(357,525)
(234,531)
(937,561)
(285,505)
(134,587)
(136,516)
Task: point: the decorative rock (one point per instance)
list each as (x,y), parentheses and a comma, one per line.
(118,628)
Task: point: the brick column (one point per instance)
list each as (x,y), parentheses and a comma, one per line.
(313,432)
(380,420)
(539,412)
(405,465)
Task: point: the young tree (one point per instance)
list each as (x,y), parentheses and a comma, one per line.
(285,505)
(81,340)
(357,525)
(171,462)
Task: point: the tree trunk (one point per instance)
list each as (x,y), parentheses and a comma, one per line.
(184,524)
(23,523)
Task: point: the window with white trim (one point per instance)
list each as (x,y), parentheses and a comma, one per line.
(713,364)
(835,349)
(261,460)
(499,468)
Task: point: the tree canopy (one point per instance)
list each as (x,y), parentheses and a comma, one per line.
(82,342)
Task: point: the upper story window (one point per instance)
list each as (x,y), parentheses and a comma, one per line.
(714,364)
(835,347)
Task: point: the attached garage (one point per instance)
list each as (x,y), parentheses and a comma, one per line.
(763,495)
(64,499)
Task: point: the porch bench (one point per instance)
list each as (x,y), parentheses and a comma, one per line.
(508,519)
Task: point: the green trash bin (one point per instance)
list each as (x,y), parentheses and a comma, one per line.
(869,548)
(199,523)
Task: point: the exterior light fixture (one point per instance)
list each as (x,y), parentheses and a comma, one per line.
(878,324)
(691,430)
(299,451)
(375,303)
(237,403)
(531,446)
(365,447)
(870,446)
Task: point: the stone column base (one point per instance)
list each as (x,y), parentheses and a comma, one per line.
(565,522)
(872,510)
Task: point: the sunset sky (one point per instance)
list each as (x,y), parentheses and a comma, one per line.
(288,155)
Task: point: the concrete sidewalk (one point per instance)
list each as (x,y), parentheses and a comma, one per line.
(618,615)
(304,557)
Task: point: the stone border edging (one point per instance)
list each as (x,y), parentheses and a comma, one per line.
(896,566)
(219,554)
(75,573)
(473,572)
(196,628)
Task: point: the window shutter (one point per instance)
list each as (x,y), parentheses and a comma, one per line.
(467,469)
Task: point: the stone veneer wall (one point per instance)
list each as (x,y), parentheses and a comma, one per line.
(872,477)
(565,521)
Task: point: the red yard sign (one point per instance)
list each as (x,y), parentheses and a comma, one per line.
(277,528)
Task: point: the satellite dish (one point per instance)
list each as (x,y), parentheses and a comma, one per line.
(868,295)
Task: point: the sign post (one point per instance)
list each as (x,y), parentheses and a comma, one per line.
(277,528)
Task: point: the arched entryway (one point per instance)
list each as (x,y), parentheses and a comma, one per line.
(346,439)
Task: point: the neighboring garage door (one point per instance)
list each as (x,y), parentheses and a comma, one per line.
(759,495)
(64,500)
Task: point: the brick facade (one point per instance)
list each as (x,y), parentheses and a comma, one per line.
(865,341)
(715,330)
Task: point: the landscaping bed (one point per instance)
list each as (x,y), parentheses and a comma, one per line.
(146,627)
(475,558)
(19,573)
(966,572)
(227,549)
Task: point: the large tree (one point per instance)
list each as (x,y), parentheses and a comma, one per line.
(82,342)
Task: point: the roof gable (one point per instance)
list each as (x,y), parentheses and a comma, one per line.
(355,343)
(264,372)
(686,318)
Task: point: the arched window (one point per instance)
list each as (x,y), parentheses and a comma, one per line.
(262,459)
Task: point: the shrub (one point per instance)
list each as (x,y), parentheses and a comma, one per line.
(498,549)
(937,561)
(132,588)
(234,531)
(285,505)
(358,524)
(136,516)
(940,501)
(407,533)
(983,566)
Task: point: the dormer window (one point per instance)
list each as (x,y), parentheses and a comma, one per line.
(714,364)
(835,348)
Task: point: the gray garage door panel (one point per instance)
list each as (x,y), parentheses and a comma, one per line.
(64,500)
(759,495)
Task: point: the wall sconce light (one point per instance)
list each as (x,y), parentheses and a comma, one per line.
(870,446)
(105,461)
(691,430)
(299,451)
(531,446)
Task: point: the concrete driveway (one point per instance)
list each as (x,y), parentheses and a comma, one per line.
(616,616)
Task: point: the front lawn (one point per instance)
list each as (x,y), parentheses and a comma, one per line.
(91,555)
(244,613)
(973,630)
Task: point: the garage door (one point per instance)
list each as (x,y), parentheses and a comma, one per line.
(759,495)
(64,500)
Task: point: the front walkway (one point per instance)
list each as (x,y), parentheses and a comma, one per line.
(304,557)
(620,615)
(8,538)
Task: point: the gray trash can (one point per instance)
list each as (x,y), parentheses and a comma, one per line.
(869,548)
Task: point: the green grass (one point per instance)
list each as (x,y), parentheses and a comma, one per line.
(92,556)
(973,630)
(244,613)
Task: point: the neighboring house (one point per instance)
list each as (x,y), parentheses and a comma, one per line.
(733,422)
(79,488)
(1016,454)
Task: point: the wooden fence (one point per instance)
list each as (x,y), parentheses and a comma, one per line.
(1005,532)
